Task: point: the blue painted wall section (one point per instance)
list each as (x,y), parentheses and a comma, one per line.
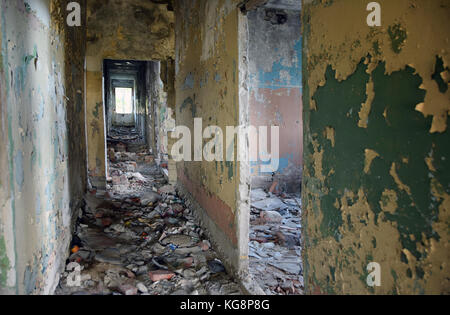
(275,84)
(273,79)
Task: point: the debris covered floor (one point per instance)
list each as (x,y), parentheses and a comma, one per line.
(274,248)
(139,237)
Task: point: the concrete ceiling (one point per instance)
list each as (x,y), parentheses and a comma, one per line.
(168,2)
(295,5)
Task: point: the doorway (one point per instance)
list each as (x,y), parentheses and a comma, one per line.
(275,110)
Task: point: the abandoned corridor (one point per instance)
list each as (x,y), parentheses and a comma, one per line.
(227,147)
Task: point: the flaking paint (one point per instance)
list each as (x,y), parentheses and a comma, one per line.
(207,87)
(378,194)
(38,117)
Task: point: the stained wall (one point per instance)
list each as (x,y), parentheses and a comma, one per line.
(275,67)
(42,158)
(207,77)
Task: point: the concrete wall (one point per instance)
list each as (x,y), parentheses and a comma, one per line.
(275,65)
(157,109)
(168,78)
(162,115)
(376,185)
(150,91)
(207,86)
(115,31)
(95,123)
(41,124)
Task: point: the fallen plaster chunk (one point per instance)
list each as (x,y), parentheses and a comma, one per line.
(289,267)
(271,217)
(257,195)
(270,204)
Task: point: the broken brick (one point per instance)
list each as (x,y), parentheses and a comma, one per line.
(160,275)
(107,222)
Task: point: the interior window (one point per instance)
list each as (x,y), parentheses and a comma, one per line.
(124,100)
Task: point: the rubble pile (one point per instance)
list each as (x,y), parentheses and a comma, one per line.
(274,248)
(139,238)
(123,133)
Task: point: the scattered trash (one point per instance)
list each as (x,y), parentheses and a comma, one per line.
(106,222)
(274,248)
(149,198)
(128,289)
(168,189)
(75,249)
(216,266)
(139,177)
(270,204)
(179,240)
(271,216)
(139,237)
(159,275)
(141,287)
(205,245)
(257,195)
(120,180)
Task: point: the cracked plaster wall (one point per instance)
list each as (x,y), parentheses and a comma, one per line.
(42,158)
(207,86)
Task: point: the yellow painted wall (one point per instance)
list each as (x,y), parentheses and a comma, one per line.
(207,78)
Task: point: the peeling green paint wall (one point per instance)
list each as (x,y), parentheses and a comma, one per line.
(377,161)
(4,263)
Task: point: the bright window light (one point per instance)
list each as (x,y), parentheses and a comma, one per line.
(124,100)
